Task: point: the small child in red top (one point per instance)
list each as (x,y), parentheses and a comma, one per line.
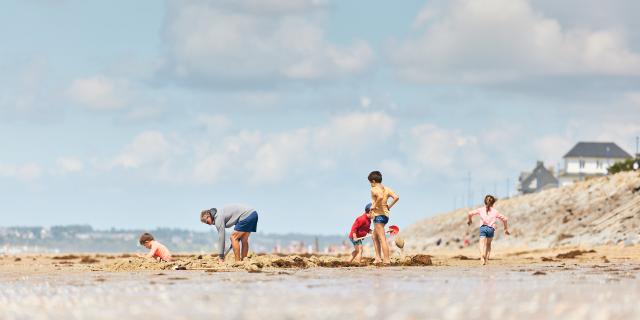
(360,229)
(156,249)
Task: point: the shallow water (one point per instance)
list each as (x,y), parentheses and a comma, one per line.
(493,292)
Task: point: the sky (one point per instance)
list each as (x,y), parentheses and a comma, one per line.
(139,114)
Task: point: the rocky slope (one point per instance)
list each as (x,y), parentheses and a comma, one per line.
(600,211)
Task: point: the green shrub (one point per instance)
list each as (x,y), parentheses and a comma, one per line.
(621,166)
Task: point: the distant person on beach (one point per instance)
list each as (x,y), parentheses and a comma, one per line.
(380,207)
(359,230)
(156,249)
(488,218)
(243,218)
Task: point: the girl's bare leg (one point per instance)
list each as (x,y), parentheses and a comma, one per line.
(488,250)
(483,248)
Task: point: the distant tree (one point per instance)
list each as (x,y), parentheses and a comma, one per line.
(621,166)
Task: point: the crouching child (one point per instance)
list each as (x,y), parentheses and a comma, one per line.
(359,230)
(157,250)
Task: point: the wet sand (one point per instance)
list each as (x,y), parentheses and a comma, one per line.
(569,283)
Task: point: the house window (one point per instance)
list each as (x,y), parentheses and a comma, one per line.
(599,164)
(581,164)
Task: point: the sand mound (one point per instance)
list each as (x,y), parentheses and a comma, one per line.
(255,263)
(573,253)
(419,260)
(67,257)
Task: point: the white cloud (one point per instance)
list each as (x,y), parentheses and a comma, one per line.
(69,165)
(280,155)
(472,41)
(26,92)
(438,148)
(256,157)
(622,133)
(150,147)
(213,123)
(365,102)
(251,42)
(23,172)
(633,97)
(551,148)
(344,137)
(429,151)
(98,93)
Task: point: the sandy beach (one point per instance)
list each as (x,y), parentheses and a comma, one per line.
(568,282)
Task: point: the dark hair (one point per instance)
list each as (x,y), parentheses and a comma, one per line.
(145,237)
(207,213)
(375,176)
(493,199)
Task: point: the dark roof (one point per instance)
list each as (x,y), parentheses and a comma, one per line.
(544,178)
(597,150)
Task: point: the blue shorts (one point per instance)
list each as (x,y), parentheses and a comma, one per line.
(486,232)
(381,219)
(356,243)
(248,224)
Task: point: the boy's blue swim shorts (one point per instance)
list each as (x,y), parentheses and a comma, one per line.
(381,219)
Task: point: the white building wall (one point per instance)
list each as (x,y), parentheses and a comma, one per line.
(591,167)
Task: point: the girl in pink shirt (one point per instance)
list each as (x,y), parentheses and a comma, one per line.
(156,249)
(488,218)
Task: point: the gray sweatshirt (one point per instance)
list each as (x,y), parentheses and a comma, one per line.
(227,217)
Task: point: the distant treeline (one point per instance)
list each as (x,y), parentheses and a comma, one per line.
(84,238)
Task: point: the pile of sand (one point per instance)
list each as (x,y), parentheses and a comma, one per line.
(602,211)
(254,263)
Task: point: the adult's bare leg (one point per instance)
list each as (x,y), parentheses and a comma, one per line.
(235,236)
(245,244)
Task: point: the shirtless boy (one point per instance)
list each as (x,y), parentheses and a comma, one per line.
(380,207)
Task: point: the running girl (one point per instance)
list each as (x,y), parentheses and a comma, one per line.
(488,218)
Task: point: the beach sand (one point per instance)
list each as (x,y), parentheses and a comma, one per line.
(569,283)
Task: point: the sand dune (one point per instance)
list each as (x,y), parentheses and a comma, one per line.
(602,211)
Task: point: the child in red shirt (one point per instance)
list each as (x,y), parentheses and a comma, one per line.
(360,229)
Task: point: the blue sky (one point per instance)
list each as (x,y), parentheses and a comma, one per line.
(137,114)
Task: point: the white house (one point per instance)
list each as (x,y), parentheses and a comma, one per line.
(589,159)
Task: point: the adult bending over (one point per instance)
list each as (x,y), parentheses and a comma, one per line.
(243,218)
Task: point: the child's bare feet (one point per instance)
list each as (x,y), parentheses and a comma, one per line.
(483,261)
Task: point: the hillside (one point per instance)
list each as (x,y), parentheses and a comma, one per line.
(595,212)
